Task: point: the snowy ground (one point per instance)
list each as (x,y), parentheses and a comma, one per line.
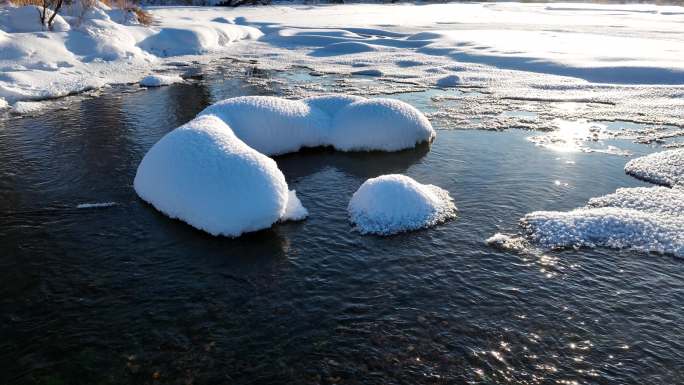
(553,61)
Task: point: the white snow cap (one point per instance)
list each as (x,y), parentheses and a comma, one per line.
(157,80)
(391,204)
(275,126)
(644,218)
(201,173)
(665,167)
(212,172)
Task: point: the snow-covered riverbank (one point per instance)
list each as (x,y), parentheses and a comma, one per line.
(561,52)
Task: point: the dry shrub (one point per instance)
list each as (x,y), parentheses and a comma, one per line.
(21,3)
(144,17)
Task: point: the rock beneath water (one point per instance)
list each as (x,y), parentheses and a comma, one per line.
(391,204)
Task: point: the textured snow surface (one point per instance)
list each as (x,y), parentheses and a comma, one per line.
(28,107)
(160,80)
(449,81)
(391,204)
(202,174)
(275,126)
(24,19)
(666,167)
(649,219)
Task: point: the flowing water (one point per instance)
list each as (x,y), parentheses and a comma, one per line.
(122,294)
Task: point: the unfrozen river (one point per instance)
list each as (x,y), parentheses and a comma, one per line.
(122,294)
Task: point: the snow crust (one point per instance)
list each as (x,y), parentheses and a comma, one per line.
(665,167)
(391,204)
(157,80)
(202,174)
(649,219)
(276,126)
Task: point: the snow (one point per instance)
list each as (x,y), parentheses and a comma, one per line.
(3,104)
(25,19)
(202,174)
(157,80)
(391,204)
(379,124)
(649,219)
(665,167)
(294,211)
(27,107)
(275,126)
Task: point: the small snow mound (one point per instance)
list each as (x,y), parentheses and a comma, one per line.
(3,104)
(391,204)
(160,80)
(25,19)
(645,219)
(665,167)
(95,205)
(506,242)
(202,174)
(27,107)
(449,81)
(294,211)
(380,124)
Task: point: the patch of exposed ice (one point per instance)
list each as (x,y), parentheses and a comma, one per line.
(157,80)
(95,205)
(391,204)
(665,167)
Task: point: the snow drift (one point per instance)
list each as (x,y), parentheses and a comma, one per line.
(212,172)
(276,126)
(391,204)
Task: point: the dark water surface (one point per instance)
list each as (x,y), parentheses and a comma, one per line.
(125,295)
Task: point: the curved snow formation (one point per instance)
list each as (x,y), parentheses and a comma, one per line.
(214,173)
(665,167)
(276,126)
(649,219)
(391,204)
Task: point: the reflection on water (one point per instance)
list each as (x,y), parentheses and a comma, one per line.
(123,294)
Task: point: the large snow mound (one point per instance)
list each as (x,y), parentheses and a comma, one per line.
(194,39)
(25,19)
(645,219)
(665,167)
(157,80)
(391,204)
(275,126)
(212,172)
(202,174)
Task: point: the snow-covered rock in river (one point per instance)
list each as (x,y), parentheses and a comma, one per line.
(646,219)
(157,80)
(391,204)
(202,174)
(28,107)
(665,167)
(276,126)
